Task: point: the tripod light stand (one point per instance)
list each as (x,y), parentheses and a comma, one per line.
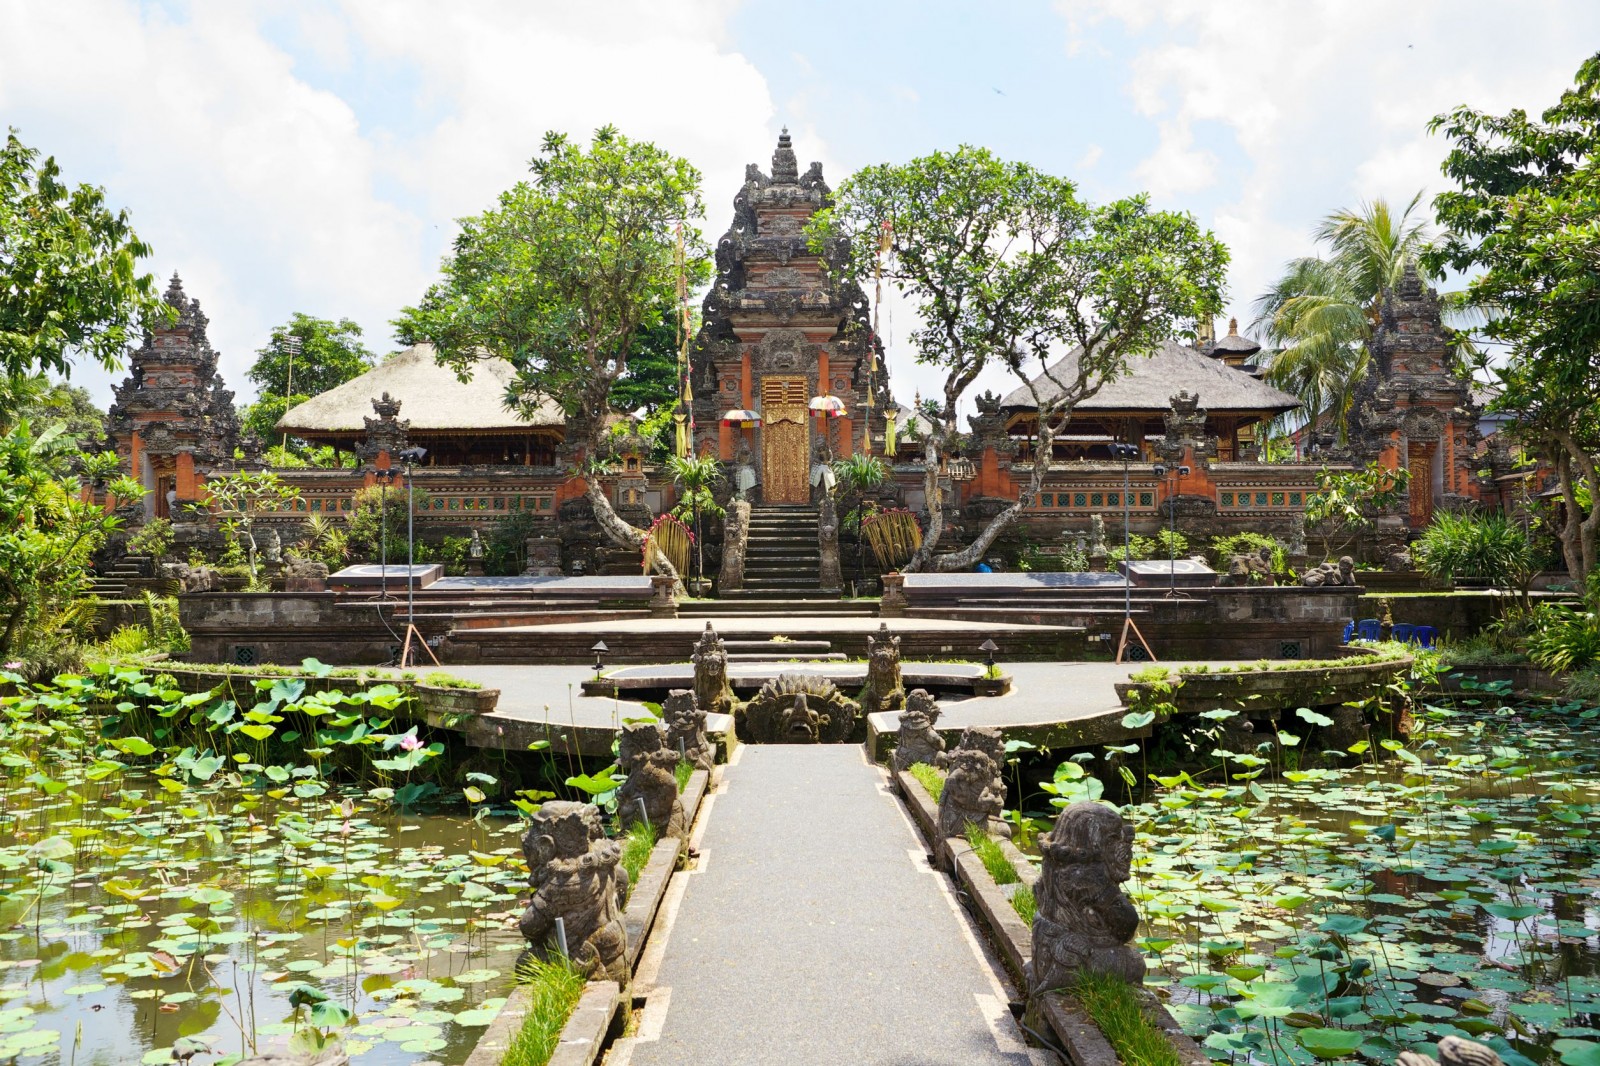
(412,456)
(1127,453)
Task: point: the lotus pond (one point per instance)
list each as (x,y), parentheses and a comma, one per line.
(1365,909)
(186,872)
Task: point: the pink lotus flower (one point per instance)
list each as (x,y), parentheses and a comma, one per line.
(409,742)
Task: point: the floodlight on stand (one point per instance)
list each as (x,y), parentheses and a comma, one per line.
(599,650)
(412,456)
(988,647)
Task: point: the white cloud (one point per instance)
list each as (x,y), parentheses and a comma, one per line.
(1090,157)
(1308,107)
(273,194)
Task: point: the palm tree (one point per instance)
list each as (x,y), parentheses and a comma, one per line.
(858,475)
(696,475)
(1322,311)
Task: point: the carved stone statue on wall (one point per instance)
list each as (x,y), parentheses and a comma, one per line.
(918,740)
(829,574)
(712,691)
(576,876)
(272,547)
(884,690)
(735,542)
(1084,921)
(686,729)
(1330,574)
(1097,542)
(475,546)
(643,754)
(975,789)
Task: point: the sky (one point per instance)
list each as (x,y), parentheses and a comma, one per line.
(290,155)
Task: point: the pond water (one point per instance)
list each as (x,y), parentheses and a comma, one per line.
(1452,887)
(209,901)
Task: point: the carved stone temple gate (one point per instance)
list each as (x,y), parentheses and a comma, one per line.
(778,332)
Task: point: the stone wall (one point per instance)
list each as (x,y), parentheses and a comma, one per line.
(252,628)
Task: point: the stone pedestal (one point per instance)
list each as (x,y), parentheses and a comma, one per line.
(893,603)
(544,557)
(475,568)
(662,604)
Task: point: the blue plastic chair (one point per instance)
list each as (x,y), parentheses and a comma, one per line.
(1349,631)
(1425,636)
(1404,632)
(1368,629)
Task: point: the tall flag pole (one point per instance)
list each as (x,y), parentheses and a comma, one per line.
(884,241)
(683,417)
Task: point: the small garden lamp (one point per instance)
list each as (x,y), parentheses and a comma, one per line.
(599,650)
(988,647)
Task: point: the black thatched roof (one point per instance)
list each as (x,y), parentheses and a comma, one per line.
(1152,381)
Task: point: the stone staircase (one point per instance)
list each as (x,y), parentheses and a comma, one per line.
(766,651)
(782,561)
(112,584)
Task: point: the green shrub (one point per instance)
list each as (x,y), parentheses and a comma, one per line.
(129,640)
(1024,904)
(1487,546)
(1139,547)
(1563,638)
(1224,548)
(555,988)
(1170,544)
(1584,685)
(683,771)
(992,856)
(154,540)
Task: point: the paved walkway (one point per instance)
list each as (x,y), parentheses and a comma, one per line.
(813,931)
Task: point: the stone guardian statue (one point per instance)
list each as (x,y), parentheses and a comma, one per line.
(975,789)
(918,740)
(575,874)
(686,729)
(1084,923)
(651,790)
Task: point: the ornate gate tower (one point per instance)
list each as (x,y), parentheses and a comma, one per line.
(778,332)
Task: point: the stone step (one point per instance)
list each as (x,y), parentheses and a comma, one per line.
(782,595)
(797,646)
(780,655)
(796,581)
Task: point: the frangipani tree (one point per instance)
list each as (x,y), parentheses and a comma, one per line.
(563,276)
(1007,266)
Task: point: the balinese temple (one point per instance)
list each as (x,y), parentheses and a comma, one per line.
(460,423)
(172,420)
(1135,406)
(786,372)
(782,339)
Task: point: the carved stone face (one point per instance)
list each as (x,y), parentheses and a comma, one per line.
(921,711)
(800,722)
(639,740)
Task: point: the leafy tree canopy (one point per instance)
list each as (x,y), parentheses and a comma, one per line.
(304,357)
(69,281)
(1524,214)
(1007,266)
(561,277)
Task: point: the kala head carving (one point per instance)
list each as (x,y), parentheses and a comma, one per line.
(798,709)
(1084,921)
(918,740)
(575,874)
(975,790)
(651,790)
(686,729)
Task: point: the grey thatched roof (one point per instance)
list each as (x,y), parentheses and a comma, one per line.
(1152,381)
(1234,343)
(432,399)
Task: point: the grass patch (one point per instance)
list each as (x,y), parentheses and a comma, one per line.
(440,679)
(1114,1006)
(636,849)
(1024,904)
(1003,871)
(931,779)
(993,858)
(554,989)
(683,771)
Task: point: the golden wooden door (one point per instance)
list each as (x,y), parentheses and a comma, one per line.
(1419,457)
(785,440)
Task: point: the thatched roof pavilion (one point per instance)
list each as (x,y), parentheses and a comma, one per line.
(459,422)
(1132,407)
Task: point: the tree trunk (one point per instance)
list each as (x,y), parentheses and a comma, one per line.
(935,503)
(1580,532)
(972,553)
